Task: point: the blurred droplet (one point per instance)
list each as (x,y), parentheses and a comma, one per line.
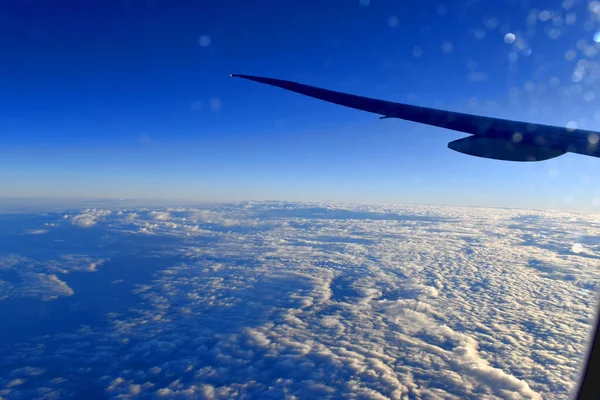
(509,38)
(589,96)
(567,4)
(477,77)
(545,15)
(571,18)
(517,137)
(532,17)
(597,37)
(557,20)
(529,86)
(571,126)
(491,24)
(204,41)
(554,33)
(554,81)
(417,52)
(447,47)
(521,44)
(393,21)
(479,33)
(591,51)
(570,55)
(577,75)
(215,104)
(593,138)
(513,57)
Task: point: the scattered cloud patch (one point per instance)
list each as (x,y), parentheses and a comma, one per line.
(89,217)
(37,231)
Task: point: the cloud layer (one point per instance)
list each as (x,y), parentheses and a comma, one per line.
(290,300)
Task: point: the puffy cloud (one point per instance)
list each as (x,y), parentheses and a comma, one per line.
(89,217)
(160,215)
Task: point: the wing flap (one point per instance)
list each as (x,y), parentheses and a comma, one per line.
(502,150)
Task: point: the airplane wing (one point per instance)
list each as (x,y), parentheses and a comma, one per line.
(495,138)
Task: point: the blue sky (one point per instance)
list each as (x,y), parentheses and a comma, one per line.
(133,99)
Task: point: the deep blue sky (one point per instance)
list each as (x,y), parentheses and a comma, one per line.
(133,99)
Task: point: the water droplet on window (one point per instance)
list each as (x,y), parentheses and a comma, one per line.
(215,104)
(589,96)
(509,38)
(545,15)
(204,41)
(554,33)
(491,24)
(597,37)
(529,86)
(593,138)
(479,33)
(517,137)
(513,57)
(571,18)
(447,47)
(571,126)
(570,55)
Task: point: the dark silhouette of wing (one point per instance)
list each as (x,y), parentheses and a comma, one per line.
(529,141)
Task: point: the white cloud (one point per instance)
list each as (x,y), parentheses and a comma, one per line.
(89,217)
(160,215)
(37,231)
(354,301)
